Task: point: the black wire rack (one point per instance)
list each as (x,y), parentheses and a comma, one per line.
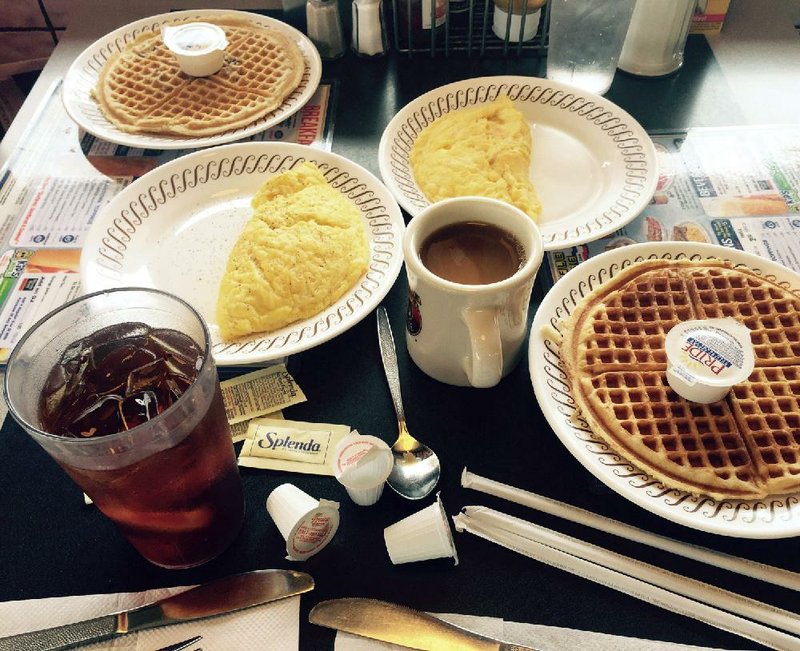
(467,30)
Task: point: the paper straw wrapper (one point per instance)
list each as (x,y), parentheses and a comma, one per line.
(746,567)
(655,585)
(362,464)
(421,536)
(306,524)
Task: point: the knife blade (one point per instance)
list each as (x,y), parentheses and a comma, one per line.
(218,597)
(388,622)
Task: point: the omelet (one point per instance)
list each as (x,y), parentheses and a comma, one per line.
(303,248)
(483,150)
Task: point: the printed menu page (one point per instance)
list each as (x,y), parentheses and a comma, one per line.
(56,183)
(737,187)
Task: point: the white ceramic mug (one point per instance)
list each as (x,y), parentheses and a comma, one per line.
(468,335)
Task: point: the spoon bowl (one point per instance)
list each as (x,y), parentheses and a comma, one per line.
(416,467)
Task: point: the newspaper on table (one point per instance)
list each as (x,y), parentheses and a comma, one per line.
(737,187)
(55,184)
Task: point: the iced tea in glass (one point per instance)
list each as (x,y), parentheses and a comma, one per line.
(120,388)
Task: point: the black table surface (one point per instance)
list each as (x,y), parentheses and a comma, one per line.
(51,544)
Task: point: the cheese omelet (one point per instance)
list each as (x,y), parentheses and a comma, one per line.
(483,150)
(302,249)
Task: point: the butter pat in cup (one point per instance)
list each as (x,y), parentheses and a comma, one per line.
(706,358)
(199,48)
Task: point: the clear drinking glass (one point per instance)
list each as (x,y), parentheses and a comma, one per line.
(170,482)
(586,38)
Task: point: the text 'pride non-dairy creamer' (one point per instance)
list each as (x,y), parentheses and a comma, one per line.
(706,358)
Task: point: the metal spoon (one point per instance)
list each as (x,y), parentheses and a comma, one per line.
(416,467)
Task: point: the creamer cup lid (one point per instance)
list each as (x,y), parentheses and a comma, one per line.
(313,531)
(352,451)
(194,39)
(199,48)
(706,357)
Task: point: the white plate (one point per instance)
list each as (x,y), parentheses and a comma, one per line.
(174,228)
(82,77)
(774,517)
(593,165)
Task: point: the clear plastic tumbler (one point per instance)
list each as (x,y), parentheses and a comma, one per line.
(168,478)
(586,38)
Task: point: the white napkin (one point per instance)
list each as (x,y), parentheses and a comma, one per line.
(277,622)
(545,638)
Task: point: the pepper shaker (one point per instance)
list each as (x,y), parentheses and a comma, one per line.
(325,27)
(369,31)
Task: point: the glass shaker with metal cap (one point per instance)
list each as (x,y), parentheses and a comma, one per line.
(325,27)
(369,31)
(656,37)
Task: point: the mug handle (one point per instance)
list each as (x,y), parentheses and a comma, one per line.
(484,366)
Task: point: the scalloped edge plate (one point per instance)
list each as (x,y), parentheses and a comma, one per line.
(82,76)
(173,229)
(593,165)
(773,517)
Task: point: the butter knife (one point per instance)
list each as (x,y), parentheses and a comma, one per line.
(380,620)
(214,598)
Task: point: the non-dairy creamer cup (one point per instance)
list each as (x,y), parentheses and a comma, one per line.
(705,358)
(362,464)
(421,536)
(306,524)
(199,48)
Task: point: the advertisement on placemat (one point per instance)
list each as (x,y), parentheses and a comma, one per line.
(735,187)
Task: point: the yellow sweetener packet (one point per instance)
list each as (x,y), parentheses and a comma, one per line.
(293,446)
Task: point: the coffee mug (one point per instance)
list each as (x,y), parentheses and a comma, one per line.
(471,263)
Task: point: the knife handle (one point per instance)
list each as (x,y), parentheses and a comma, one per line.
(63,637)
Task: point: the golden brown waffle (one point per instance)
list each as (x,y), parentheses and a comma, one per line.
(746,446)
(142,89)
(679,442)
(770,312)
(628,319)
(767,408)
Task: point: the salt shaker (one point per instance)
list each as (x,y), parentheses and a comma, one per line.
(369,33)
(325,27)
(656,37)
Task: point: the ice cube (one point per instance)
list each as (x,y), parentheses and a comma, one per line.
(111,373)
(138,408)
(99,419)
(176,344)
(146,375)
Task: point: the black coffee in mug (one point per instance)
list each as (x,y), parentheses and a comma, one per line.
(472,253)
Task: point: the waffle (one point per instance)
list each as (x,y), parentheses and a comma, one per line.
(767,407)
(142,88)
(746,446)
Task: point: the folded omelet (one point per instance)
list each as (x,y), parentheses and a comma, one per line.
(302,249)
(483,150)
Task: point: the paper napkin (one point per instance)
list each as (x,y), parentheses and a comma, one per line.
(277,622)
(544,638)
